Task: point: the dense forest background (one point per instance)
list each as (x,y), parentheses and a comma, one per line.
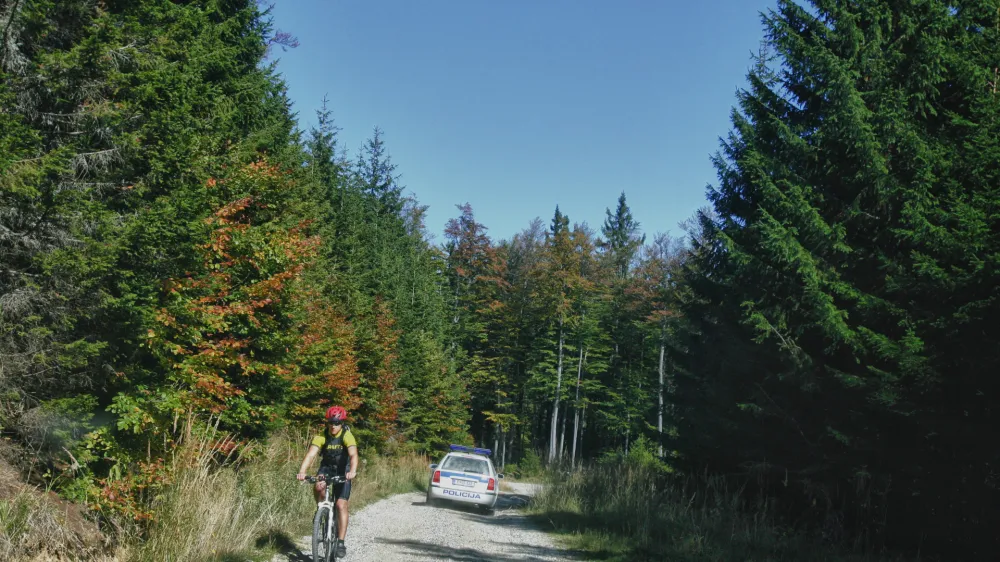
(174,247)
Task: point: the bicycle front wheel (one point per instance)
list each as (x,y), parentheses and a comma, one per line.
(322,539)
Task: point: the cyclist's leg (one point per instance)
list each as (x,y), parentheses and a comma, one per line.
(343,495)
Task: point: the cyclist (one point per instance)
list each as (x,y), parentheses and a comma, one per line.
(335,446)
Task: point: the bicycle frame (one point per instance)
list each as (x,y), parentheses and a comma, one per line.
(332,505)
(331,521)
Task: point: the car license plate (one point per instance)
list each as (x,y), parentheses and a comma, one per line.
(466,483)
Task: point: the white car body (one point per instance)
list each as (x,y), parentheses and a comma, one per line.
(465,477)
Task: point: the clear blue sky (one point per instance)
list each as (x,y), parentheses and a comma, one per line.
(516,106)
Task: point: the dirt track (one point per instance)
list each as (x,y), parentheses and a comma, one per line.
(404,527)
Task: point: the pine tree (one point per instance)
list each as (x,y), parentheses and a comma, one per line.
(114,162)
(561,279)
(476,286)
(524,325)
(833,289)
(375,171)
(380,270)
(621,238)
(592,344)
(224,332)
(622,411)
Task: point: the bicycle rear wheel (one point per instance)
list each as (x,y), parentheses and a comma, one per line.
(323,545)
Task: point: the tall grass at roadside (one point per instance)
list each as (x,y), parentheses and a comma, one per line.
(212,512)
(380,477)
(631,511)
(213,509)
(37,527)
(30,526)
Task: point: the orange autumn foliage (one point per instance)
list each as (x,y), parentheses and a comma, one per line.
(243,337)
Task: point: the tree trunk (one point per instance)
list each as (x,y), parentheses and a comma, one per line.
(576,408)
(628,428)
(562,437)
(659,411)
(555,403)
(503,453)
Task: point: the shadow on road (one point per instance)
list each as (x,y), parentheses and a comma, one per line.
(284,545)
(523,552)
(517,522)
(505,502)
(512,501)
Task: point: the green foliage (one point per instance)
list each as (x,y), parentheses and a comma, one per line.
(152,275)
(636,512)
(377,266)
(67,419)
(529,466)
(642,454)
(223,334)
(433,415)
(173,250)
(622,238)
(830,293)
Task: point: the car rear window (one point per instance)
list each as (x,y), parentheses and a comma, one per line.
(463,464)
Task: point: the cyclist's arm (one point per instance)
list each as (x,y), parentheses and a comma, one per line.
(353,452)
(310,457)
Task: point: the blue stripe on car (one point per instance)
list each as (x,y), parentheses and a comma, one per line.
(483,479)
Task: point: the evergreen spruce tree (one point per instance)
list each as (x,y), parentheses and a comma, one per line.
(834,304)
(622,412)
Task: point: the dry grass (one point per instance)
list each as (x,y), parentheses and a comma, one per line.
(384,476)
(219,513)
(35,526)
(24,524)
(209,511)
(213,509)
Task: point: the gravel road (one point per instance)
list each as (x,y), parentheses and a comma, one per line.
(404,527)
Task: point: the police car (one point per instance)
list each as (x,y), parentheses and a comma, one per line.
(465,475)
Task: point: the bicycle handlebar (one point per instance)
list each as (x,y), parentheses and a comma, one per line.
(330,480)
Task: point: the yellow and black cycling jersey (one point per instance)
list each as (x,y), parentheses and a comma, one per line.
(343,435)
(333,449)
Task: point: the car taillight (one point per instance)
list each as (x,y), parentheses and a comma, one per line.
(492,485)
(437,476)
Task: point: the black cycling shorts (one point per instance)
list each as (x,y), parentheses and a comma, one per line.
(340,491)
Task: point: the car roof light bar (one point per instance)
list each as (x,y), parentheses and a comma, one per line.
(473,450)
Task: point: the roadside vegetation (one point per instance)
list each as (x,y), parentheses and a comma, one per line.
(259,508)
(528,469)
(243,506)
(635,507)
(32,524)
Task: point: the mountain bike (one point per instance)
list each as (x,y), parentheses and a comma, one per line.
(324,539)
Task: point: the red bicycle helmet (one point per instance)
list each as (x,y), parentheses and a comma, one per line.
(336,413)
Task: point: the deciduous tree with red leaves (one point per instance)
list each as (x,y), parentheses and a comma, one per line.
(240,336)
